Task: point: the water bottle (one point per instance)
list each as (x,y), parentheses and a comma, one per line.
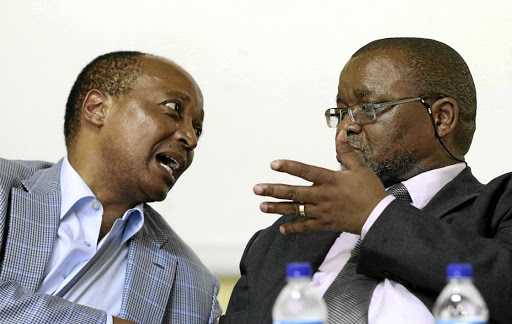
(460,302)
(299,302)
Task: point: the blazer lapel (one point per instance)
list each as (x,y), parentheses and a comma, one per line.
(310,247)
(463,188)
(33,224)
(149,280)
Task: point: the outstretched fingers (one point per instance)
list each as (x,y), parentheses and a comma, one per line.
(336,200)
(300,226)
(282,191)
(307,172)
(288,208)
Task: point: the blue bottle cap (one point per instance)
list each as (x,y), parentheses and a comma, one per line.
(459,270)
(298,270)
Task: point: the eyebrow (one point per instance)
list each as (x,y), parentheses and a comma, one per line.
(362,93)
(358,93)
(180,95)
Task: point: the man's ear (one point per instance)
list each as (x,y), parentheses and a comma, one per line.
(94,108)
(445,112)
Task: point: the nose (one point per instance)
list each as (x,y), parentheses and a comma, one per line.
(186,135)
(348,125)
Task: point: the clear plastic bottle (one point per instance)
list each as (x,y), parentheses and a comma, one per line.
(460,302)
(299,302)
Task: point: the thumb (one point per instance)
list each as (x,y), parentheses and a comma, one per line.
(347,155)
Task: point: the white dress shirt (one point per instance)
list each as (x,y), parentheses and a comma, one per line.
(76,245)
(391,302)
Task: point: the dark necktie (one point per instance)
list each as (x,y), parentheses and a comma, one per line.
(348,297)
(400,192)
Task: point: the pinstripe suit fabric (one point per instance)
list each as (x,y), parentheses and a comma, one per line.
(165,281)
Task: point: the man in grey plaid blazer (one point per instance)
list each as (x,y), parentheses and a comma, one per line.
(132,122)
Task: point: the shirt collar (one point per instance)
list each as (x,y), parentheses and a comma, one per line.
(134,219)
(424,186)
(72,188)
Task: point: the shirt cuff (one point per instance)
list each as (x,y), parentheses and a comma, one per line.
(377,211)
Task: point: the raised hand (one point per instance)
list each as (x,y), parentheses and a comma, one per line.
(336,201)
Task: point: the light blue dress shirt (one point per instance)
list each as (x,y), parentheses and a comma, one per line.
(81,269)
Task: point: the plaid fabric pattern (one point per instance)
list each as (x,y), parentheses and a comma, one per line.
(28,225)
(165,281)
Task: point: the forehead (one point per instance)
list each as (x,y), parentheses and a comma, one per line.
(164,76)
(374,74)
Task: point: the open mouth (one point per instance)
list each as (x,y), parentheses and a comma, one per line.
(168,162)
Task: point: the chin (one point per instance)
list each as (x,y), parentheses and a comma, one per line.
(158,194)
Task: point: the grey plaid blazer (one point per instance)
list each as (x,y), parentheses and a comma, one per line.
(165,281)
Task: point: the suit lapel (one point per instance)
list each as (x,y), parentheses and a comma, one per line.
(313,247)
(150,275)
(462,189)
(33,224)
(310,247)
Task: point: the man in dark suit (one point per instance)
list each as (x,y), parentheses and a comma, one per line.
(405,118)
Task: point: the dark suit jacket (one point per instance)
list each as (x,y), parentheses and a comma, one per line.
(464,222)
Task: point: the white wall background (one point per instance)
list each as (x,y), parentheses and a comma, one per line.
(268,70)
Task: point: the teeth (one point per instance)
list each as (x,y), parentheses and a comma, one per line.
(173,164)
(168,163)
(166,167)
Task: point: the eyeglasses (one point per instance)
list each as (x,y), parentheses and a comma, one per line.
(364,112)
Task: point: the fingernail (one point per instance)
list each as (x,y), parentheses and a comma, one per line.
(282,230)
(264,207)
(343,136)
(258,189)
(275,164)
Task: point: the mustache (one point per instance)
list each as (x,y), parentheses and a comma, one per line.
(358,143)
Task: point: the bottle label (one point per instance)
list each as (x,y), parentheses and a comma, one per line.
(297,321)
(458,321)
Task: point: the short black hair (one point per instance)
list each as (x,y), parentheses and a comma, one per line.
(437,69)
(112,73)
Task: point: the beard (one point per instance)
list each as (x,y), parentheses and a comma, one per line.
(392,168)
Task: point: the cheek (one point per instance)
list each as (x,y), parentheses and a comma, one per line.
(385,139)
(150,130)
(382,148)
(190,158)
(135,143)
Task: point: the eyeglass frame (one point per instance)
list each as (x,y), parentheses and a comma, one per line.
(368,105)
(376,106)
